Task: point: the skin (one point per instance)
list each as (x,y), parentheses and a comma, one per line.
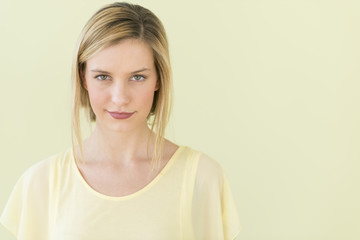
(121,78)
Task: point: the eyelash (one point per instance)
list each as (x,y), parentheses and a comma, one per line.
(106,77)
(141,76)
(99,77)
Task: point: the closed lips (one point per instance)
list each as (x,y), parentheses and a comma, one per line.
(121,115)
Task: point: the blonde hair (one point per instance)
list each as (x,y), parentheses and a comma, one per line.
(108,26)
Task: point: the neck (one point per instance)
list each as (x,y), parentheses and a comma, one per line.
(118,147)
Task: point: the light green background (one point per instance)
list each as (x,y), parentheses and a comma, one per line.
(270,89)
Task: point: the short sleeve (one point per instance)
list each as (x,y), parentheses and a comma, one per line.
(26,214)
(214,212)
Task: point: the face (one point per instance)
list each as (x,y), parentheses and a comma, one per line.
(121,81)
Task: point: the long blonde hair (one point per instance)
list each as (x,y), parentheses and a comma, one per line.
(108,26)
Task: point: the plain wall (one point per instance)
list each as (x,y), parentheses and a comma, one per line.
(270,89)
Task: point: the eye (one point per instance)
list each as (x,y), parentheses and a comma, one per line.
(102,77)
(138,78)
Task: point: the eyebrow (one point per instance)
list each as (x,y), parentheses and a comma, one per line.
(136,71)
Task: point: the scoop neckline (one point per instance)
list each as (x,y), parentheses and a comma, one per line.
(131,195)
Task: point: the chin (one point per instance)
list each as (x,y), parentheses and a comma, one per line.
(122,127)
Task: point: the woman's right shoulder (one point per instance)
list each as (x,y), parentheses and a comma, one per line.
(51,165)
(29,204)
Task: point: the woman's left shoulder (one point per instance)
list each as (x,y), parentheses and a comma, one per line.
(208,169)
(214,212)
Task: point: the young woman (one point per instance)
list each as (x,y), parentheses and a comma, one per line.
(125,181)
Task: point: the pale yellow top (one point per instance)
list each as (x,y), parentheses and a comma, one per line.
(189,199)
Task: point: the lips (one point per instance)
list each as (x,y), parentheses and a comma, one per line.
(121,115)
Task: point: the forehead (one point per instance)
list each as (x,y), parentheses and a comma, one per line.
(128,54)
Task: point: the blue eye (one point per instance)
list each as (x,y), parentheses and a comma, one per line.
(102,77)
(138,78)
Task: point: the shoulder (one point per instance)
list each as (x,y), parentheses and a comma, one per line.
(209,171)
(40,172)
(206,162)
(209,165)
(213,210)
(36,184)
(28,208)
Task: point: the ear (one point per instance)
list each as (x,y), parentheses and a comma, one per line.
(84,83)
(157,86)
(82,78)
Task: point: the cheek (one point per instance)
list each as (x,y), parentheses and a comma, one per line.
(95,98)
(149,97)
(145,100)
(145,94)
(141,100)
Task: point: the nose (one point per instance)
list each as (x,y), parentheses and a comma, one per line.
(120,93)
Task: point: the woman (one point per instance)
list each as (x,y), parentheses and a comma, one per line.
(125,181)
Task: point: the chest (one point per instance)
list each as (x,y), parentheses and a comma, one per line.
(153,222)
(112,180)
(152,212)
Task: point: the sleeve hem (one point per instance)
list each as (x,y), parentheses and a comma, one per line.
(237,233)
(8,227)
